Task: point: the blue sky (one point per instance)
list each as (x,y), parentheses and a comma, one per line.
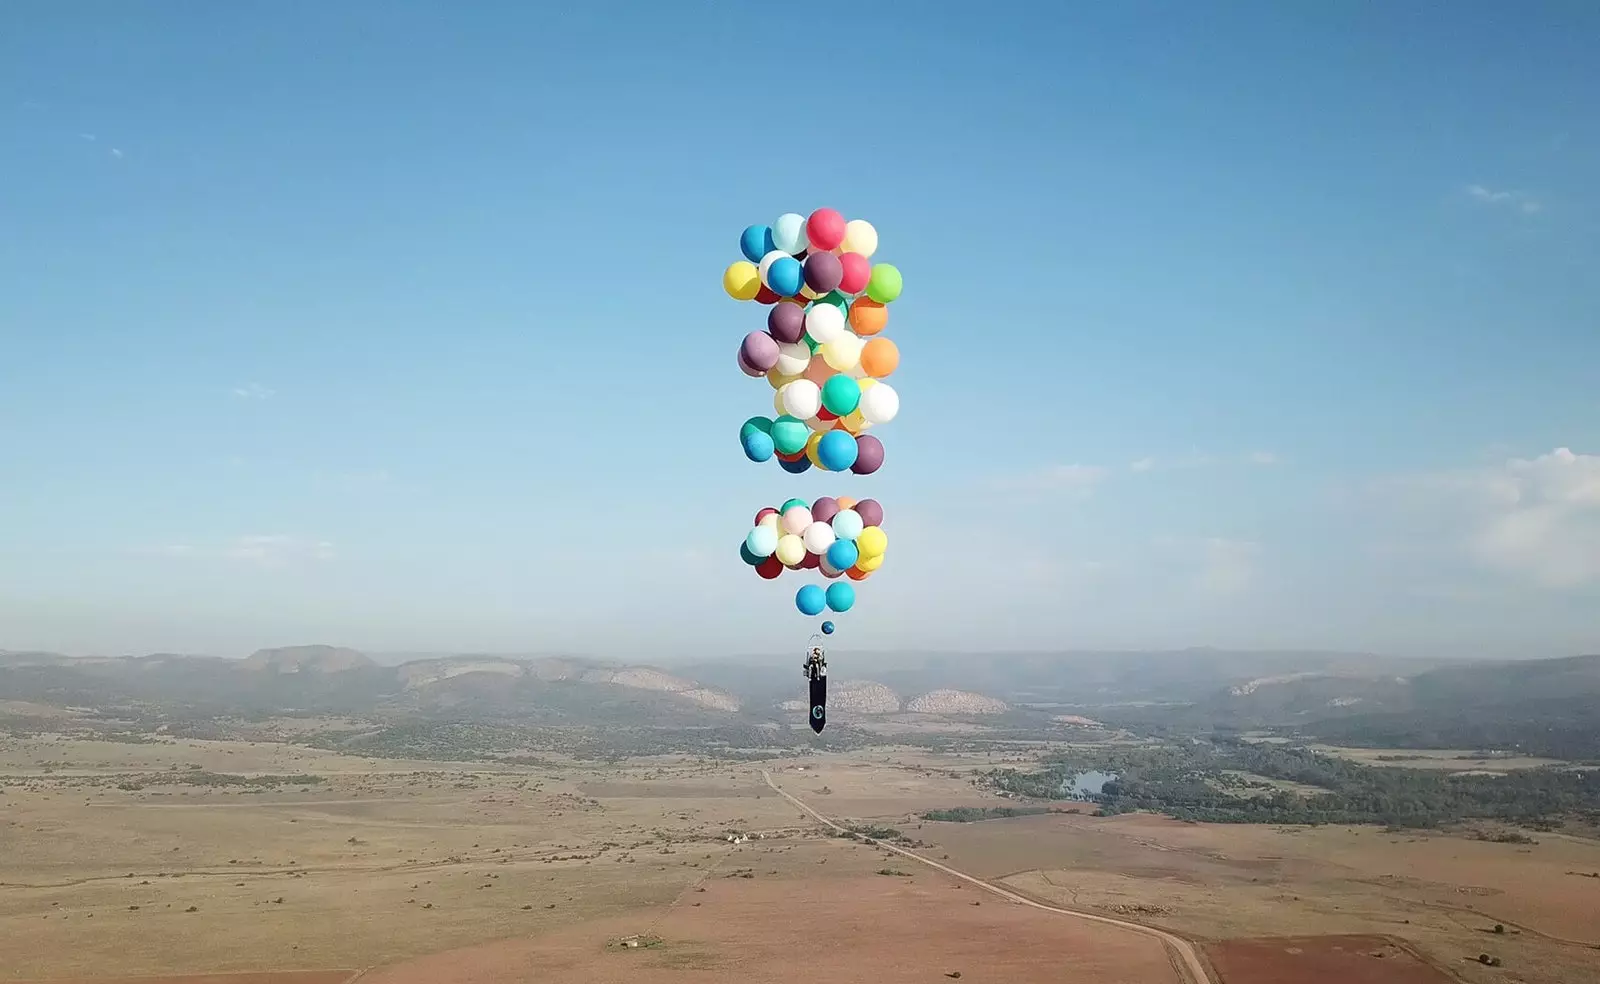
(400,325)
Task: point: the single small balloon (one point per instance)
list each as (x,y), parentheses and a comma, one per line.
(818,537)
(789,435)
(868,317)
(757,445)
(756,242)
(869,455)
(855,271)
(786,276)
(824,509)
(789,233)
(826,229)
(872,541)
(841,355)
(795,466)
(870,511)
(840,597)
(825,323)
(760,351)
(810,599)
(762,541)
(801,398)
(879,404)
(742,281)
(786,322)
(884,285)
(827,628)
(836,451)
(769,568)
(789,551)
(796,519)
(880,357)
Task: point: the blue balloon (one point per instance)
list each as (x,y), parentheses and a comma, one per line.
(757,446)
(797,466)
(786,276)
(748,557)
(810,600)
(837,450)
(756,242)
(840,596)
(827,628)
(843,555)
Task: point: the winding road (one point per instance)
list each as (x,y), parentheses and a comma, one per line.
(1185,959)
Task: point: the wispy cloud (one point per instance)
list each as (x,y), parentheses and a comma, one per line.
(1505,198)
(1227,566)
(254,391)
(1073,479)
(116,153)
(270,550)
(1142,465)
(1263,458)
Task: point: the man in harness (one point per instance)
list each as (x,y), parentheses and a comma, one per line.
(816,665)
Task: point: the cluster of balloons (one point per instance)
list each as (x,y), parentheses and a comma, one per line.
(837,537)
(823,351)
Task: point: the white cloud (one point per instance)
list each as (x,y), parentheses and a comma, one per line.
(1504,198)
(1077,479)
(255,549)
(116,153)
(1263,458)
(254,391)
(1142,465)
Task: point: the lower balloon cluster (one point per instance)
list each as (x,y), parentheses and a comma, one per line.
(799,448)
(837,537)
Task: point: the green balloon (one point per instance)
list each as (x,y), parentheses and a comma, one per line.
(811,343)
(789,433)
(884,285)
(761,424)
(840,394)
(791,504)
(838,300)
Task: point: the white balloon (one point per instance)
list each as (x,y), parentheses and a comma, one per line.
(789,233)
(796,520)
(879,404)
(801,398)
(843,353)
(818,537)
(766,264)
(790,551)
(859,237)
(793,358)
(824,322)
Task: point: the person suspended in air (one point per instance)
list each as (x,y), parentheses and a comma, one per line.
(816,665)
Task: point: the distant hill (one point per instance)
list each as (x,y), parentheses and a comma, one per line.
(308,659)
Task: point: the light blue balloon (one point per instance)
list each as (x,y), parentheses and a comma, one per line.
(810,600)
(762,541)
(841,597)
(847,524)
(841,556)
(756,242)
(786,276)
(757,446)
(837,450)
(789,234)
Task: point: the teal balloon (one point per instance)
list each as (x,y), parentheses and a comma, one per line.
(810,600)
(838,300)
(841,556)
(790,504)
(762,542)
(837,449)
(789,434)
(755,425)
(841,597)
(840,394)
(748,557)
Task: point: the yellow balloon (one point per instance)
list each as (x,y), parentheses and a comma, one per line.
(770,519)
(777,401)
(811,448)
(866,383)
(872,542)
(777,380)
(809,294)
(870,564)
(741,280)
(860,237)
(842,354)
(791,550)
(853,422)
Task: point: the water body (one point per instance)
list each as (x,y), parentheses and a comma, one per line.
(1086,785)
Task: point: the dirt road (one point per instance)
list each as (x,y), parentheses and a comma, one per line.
(1186,960)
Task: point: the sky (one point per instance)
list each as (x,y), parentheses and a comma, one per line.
(400,325)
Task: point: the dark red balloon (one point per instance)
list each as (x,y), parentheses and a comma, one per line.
(824,272)
(811,563)
(763,514)
(870,512)
(787,322)
(869,455)
(765,295)
(769,568)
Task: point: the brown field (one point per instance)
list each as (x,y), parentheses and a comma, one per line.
(1443,759)
(1321,960)
(423,871)
(282,977)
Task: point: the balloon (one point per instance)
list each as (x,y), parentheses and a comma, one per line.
(840,395)
(757,445)
(789,551)
(786,322)
(843,555)
(823,272)
(793,358)
(841,354)
(818,370)
(746,368)
(765,295)
(836,299)
(880,357)
(879,404)
(810,600)
(853,422)
(786,277)
(760,350)
(856,574)
(762,541)
(801,398)
(855,272)
(827,628)
(836,451)
(825,229)
(763,513)
(770,568)
(795,466)
(860,237)
(796,518)
(764,267)
(867,316)
(884,285)
(770,521)
(869,455)
(819,423)
(824,323)
(873,541)
(756,242)
(824,509)
(789,434)
(840,597)
(867,565)
(828,570)
(789,233)
(742,281)
(761,424)
(811,561)
(847,525)
(811,447)
(870,512)
(818,537)
(789,504)
(845,502)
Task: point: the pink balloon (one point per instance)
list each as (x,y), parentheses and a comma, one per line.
(825,229)
(824,509)
(857,271)
(747,368)
(869,456)
(870,511)
(818,371)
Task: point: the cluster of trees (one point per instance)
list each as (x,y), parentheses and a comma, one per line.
(1212,781)
(973,814)
(1562,729)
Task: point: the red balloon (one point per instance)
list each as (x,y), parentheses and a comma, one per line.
(825,229)
(857,271)
(763,514)
(791,457)
(811,563)
(764,295)
(769,568)
(826,414)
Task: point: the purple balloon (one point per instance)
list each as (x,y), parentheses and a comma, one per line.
(787,322)
(759,351)
(869,458)
(747,368)
(824,509)
(824,272)
(871,513)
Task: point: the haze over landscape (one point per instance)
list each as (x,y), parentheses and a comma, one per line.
(371,600)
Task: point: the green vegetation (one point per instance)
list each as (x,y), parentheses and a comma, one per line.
(1197,780)
(973,814)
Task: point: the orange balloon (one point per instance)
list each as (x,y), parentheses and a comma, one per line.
(856,574)
(867,316)
(879,357)
(845,502)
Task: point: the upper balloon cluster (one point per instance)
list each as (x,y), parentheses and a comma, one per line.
(822,350)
